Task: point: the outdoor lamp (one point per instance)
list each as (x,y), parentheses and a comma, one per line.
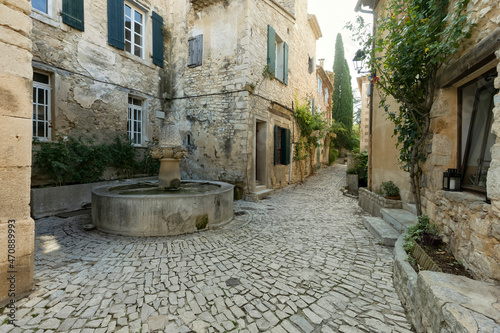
(359,61)
(446,180)
(452,180)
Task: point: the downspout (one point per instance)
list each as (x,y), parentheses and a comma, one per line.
(291,153)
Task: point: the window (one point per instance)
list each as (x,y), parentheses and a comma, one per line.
(134,31)
(41,5)
(277,55)
(195,51)
(320,86)
(41,106)
(477,138)
(311,65)
(281,145)
(126,30)
(134,124)
(326,95)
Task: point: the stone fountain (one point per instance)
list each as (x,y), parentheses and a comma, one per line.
(165,207)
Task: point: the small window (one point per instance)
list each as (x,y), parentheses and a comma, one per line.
(277,55)
(41,5)
(320,86)
(281,145)
(134,31)
(195,51)
(326,95)
(41,106)
(311,65)
(134,124)
(477,137)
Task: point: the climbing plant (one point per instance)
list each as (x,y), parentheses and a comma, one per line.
(412,40)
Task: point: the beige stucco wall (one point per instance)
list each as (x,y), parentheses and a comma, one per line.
(91,80)
(15,151)
(470,226)
(219,103)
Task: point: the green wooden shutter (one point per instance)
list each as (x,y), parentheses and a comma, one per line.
(271,49)
(276,145)
(116,24)
(157,39)
(72,13)
(285,63)
(285,146)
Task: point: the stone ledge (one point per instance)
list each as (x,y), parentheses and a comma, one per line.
(439,302)
(373,203)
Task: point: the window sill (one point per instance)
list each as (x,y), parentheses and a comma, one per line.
(140,60)
(45,18)
(474,201)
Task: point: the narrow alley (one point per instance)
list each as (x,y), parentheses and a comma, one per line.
(298,261)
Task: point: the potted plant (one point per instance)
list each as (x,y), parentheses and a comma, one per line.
(391,190)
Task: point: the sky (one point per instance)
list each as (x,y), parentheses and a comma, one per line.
(332,16)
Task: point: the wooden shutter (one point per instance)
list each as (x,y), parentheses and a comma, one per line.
(157,39)
(285,146)
(191,61)
(73,13)
(285,63)
(276,144)
(199,50)
(116,24)
(271,49)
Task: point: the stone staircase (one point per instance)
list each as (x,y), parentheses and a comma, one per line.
(391,225)
(260,192)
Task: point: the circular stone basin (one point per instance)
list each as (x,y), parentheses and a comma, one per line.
(143,209)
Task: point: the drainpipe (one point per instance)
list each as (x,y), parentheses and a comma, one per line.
(291,153)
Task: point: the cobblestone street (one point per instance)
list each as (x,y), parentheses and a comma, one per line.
(298,261)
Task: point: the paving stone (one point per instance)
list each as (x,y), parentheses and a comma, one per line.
(291,277)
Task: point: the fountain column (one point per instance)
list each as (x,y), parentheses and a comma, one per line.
(170,151)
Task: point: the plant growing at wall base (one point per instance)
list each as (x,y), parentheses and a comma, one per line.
(390,189)
(412,41)
(68,160)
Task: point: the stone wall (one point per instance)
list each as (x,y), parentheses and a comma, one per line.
(91,80)
(471,229)
(471,232)
(16,226)
(219,104)
(373,203)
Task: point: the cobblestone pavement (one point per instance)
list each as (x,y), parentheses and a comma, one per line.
(298,261)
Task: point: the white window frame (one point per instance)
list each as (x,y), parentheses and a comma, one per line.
(131,43)
(135,120)
(49,9)
(46,119)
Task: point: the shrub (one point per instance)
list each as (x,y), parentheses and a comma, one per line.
(70,160)
(332,155)
(123,156)
(390,189)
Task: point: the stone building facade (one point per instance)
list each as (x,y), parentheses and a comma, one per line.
(16,225)
(465,128)
(90,84)
(323,103)
(237,68)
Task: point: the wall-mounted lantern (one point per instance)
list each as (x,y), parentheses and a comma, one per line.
(452,180)
(359,61)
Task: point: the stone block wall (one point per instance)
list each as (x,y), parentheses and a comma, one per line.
(16,226)
(219,103)
(471,229)
(373,203)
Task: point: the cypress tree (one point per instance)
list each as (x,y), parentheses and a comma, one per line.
(342,97)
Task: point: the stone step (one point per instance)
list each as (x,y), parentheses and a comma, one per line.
(262,193)
(381,230)
(400,219)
